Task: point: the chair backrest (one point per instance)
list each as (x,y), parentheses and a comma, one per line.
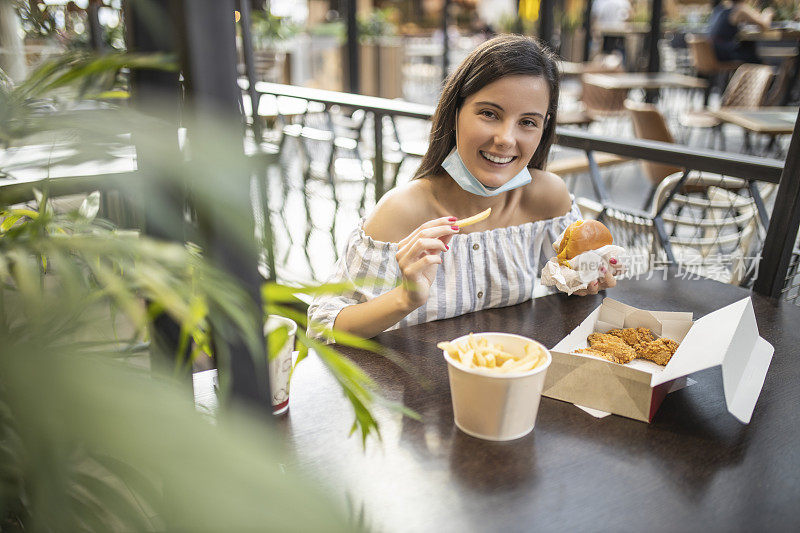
(713,231)
(748,86)
(702,54)
(649,123)
(602,102)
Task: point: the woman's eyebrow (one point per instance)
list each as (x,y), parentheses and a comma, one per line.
(492,104)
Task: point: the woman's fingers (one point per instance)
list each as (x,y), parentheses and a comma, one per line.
(427,235)
(617,268)
(416,267)
(443,222)
(419,248)
(608,280)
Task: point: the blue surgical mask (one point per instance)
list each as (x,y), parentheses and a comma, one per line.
(454,165)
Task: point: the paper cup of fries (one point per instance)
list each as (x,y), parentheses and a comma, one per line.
(496,382)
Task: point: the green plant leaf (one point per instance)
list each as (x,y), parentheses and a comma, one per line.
(356,386)
(276,339)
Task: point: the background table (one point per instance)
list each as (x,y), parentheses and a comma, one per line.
(769,120)
(644,80)
(695,468)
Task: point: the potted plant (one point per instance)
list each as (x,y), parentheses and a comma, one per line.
(381,54)
(268,34)
(90,437)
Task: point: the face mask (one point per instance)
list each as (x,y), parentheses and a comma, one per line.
(454,165)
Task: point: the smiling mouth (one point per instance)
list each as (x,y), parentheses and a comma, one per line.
(497,160)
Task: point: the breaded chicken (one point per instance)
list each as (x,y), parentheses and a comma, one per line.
(613,348)
(603,355)
(659,351)
(633,336)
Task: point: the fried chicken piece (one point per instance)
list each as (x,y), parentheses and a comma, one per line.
(659,351)
(603,355)
(633,336)
(612,347)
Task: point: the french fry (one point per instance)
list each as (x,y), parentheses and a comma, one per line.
(483,215)
(477,352)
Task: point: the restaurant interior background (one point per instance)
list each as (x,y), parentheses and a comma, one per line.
(143,143)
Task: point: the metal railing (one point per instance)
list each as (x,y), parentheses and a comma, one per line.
(782,226)
(772,269)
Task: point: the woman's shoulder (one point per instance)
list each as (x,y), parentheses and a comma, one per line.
(400,211)
(548,195)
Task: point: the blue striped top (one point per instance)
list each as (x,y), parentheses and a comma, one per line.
(493,268)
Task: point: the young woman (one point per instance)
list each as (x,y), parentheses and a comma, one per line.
(490,137)
(723,27)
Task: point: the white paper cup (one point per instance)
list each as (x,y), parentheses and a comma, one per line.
(280,367)
(496,406)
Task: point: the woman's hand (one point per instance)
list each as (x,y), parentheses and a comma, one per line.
(606,281)
(419,257)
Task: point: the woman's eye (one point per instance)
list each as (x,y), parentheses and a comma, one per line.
(488,113)
(529,124)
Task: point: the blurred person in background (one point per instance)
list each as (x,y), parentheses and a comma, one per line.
(611,13)
(726,19)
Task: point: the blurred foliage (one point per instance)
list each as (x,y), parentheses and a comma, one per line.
(36,20)
(786,9)
(378,23)
(510,23)
(113,38)
(27,108)
(268,29)
(334,28)
(92,439)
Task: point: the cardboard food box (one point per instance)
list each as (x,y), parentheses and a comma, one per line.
(727,337)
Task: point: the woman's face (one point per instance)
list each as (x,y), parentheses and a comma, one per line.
(500,126)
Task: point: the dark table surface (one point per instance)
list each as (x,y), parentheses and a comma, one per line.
(694,468)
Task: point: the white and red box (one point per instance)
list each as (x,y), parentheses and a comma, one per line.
(727,338)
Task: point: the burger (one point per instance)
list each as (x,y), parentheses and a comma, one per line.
(582,236)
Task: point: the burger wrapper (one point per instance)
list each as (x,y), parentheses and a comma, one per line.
(583,268)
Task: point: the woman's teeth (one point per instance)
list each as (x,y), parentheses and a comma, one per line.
(499,160)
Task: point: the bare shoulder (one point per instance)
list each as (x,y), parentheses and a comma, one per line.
(400,211)
(548,195)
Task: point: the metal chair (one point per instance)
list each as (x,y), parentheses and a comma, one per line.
(715,233)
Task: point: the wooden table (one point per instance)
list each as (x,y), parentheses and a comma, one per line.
(644,80)
(695,468)
(767,120)
(788,32)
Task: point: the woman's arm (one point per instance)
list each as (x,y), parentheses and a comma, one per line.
(375,316)
(746,14)
(418,257)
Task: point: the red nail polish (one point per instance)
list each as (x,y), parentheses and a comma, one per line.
(452,219)
(454,228)
(446,247)
(612,261)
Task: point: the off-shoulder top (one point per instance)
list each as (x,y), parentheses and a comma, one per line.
(493,268)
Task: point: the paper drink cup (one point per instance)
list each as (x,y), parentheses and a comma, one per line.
(492,405)
(280,367)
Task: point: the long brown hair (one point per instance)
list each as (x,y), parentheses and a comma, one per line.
(505,55)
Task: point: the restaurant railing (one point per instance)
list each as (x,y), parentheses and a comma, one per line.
(773,268)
